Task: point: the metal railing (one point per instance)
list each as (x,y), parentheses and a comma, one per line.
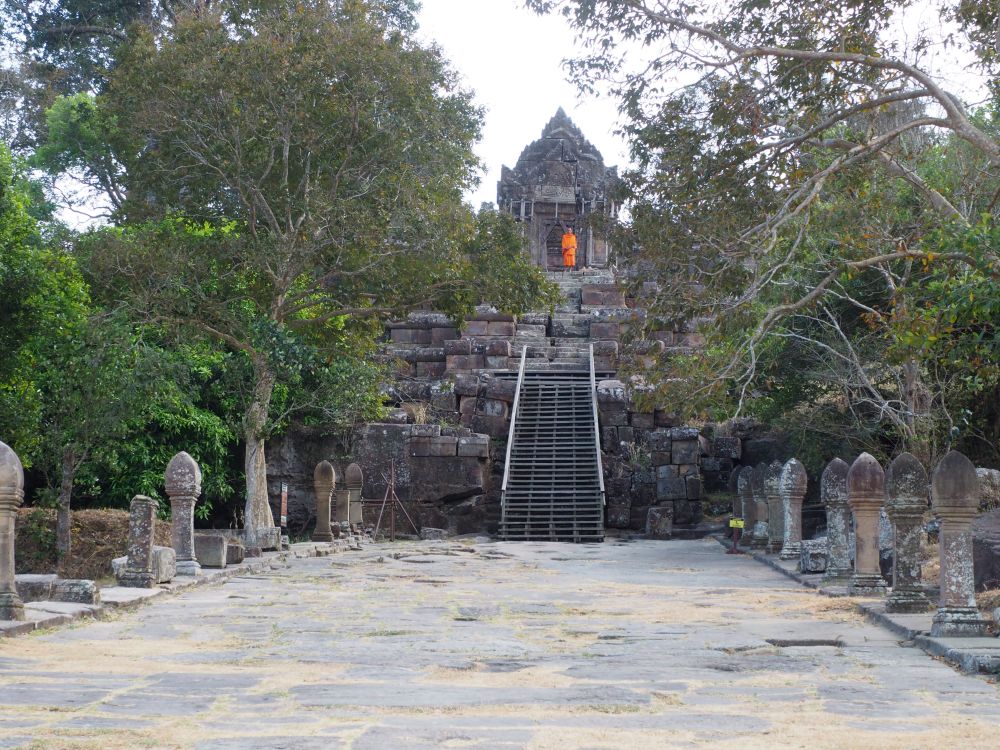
(510,434)
(597,427)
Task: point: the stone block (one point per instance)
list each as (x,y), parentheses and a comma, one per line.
(457,347)
(35,587)
(711,464)
(502,389)
(641,421)
(465,362)
(76,591)
(664,419)
(164,565)
(626,435)
(685,451)
(499,328)
(619,516)
(429,354)
(444,447)
(433,535)
(477,446)
(660,458)
(609,439)
(671,488)
(728,447)
(500,348)
(442,334)
(693,487)
(419,446)
(467,405)
(637,517)
(660,441)
(269,538)
(443,396)
(531,331)
(535,319)
(687,470)
(660,522)
(684,433)
(211,550)
(494,426)
(664,471)
(236,552)
(571,326)
(600,330)
(425,430)
(430,369)
(475,328)
(467,385)
(605,349)
(496,363)
(492,407)
(613,415)
(604,363)
(410,336)
(812,557)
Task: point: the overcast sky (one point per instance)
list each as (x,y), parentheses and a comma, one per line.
(511,58)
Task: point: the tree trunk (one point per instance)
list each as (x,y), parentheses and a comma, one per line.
(64,518)
(918,406)
(257,513)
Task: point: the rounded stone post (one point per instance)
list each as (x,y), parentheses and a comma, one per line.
(138,571)
(760,505)
(775,509)
(833,494)
(792,483)
(865,495)
(747,506)
(353,479)
(11,496)
(182,480)
(906,501)
(324,482)
(955,495)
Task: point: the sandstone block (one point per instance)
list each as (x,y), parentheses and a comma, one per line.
(441,334)
(728,447)
(457,347)
(660,522)
(164,565)
(410,336)
(600,330)
(76,590)
(499,328)
(619,516)
(671,488)
(429,354)
(498,348)
(502,389)
(685,451)
(463,362)
(613,415)
(467,385)
(571,326)
(660,441)
(496,363)
(492,407)
(812,555)
(435,535)
(531,331)
(425,430)
(660,458)
(211,550)
(667,470)
(641,421)
(475,328)
(444,447)
(693,487)
(477,446)
(35,587)
(494,426)
(235,552)
(419,446)
(430,369)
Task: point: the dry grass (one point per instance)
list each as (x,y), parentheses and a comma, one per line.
(98,536)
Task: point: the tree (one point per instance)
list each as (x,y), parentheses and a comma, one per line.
(288,186)
(753,128)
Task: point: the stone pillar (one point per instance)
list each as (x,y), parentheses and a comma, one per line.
(747,505)
(775,511)
(183,484)
(792,483)
(906,501)
(865,495)
(760,505)
(11,495)
(324,482)
(833,494)
(955,495)
(141,523)
(353,479)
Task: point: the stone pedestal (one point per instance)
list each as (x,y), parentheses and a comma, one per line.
(760,531)
(955,497)
(906,490)
(792,485)
(342,509)
(748,508)
(138,571)
(833,494)
(865,495)
(324,482)
(11,496)
(182,481)
(775,510)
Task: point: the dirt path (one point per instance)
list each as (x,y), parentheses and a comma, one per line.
(490,645)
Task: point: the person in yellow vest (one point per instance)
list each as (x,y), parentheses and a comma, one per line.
(568,248)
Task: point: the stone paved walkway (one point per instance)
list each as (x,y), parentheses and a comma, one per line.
(490,645)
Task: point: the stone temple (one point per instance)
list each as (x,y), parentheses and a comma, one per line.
(560,178)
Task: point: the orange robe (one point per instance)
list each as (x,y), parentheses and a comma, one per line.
(569,249)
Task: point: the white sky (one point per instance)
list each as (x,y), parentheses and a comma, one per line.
(512,59)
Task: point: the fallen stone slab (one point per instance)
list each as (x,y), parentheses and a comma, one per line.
(34,587)
(76,590)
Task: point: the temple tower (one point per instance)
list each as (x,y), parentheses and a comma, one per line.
(561,177)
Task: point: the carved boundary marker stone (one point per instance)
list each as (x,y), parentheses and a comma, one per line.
(354,479)
(865,495)
(182,481)
(775,509)
(324,482)
(747,506)
(955,495)
(11,495)
(138,571)
(792,484)
(906,491)
(833,494)
(760,505)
